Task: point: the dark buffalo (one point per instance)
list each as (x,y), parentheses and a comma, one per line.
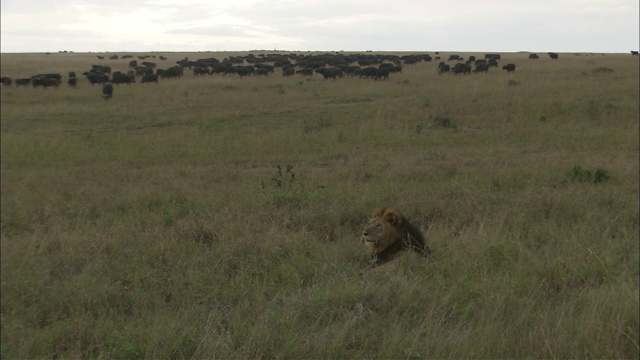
(50,76)
(553,56)
(443,68)
(96,77)
(509,68)
(23,82)
(133,64)
(492,56)
(73,81)
(269,68)
(103,68)
(107,90)
(305,72)
(121,78)
(534,56)
(288,71)
(369,71)
(634,52)
(353,70)
(72,74)
(148,78)
(481,67)
(6,81)
(201,70)
(332,72)
(262,71)
(149,64)
(461,68)
(45,82)
(382,74)
(455,58)
(162,58)
(244,70)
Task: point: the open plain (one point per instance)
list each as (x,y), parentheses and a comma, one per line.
(217,216)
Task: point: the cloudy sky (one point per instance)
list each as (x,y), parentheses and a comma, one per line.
(323,25)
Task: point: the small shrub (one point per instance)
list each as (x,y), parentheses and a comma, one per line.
(314,125)
(580,174)
(285,190)
(602,69)
(444,123)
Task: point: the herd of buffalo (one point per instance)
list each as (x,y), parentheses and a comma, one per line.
(336,65)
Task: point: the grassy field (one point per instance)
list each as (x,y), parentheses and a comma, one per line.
(219,217)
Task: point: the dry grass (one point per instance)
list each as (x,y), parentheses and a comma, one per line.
(156,224)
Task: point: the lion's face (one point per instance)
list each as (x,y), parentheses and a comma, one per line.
(382,230)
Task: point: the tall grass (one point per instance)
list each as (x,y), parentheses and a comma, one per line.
(220,217)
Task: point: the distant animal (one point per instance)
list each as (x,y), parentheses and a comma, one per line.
(389,232)
(331,72)
(72,81)
(107,90)
(305,72)
(147,78)
(553,56)
(509,68)
(534,56)
(461,68)
(44,81)
(481,67)
(634,52)
(288,71)
(443,68)
(23,82)
(6,81)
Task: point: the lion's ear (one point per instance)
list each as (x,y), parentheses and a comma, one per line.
(391,217)
(377,213)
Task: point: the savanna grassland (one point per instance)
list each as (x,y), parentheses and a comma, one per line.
(219,217)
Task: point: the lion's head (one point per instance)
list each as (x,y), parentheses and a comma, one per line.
(389,230)
(383,230)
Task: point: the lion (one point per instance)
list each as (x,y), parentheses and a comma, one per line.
(389,232)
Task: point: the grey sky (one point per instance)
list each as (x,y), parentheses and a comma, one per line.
(323,25)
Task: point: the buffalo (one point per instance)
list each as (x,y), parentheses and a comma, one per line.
(201,70)
(96,77)
(148,78)
(332,72)
(121,78)
(73,81)
(443,68)
(103,68)
(23,82)
(382,73)
(288,71)
(107,90)
(481,67)
(509,68)
(369,71)
(533,56)
(634,52)
(44,81)
(262,71)
(6,81)
(553,56)
(305,72)
(461,68)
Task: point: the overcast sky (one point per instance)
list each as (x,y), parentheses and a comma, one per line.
(323,25)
